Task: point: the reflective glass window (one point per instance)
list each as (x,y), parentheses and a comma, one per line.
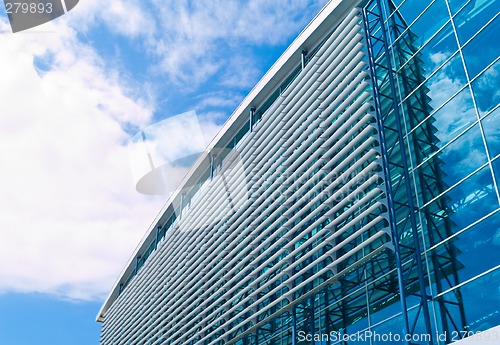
(438,50)
(430,22)
(496,170)
(467,255)
(473,17)
(393,326)
(384,301)
(398,2)
(453,163)
(480,299)
(386,308)
(456,5)
(467,202)
(491,127)
(486,89)
(420,330)
(450,120)
(483,49)
(446,81)
(411,9)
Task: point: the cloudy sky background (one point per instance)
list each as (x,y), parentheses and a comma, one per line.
(72,93)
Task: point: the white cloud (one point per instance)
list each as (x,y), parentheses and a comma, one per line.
(200,38)
(125,17)
(241,73)
(70,215)
(218,99)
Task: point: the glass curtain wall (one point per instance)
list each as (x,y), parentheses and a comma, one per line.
(443,57)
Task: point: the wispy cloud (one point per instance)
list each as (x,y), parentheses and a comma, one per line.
(241,72)
(218,99)
(199,38)
(125,17)
(194,40)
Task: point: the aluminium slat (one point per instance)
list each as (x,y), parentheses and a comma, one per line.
(368,181)
(308,280)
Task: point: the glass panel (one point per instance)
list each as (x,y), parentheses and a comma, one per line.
(430,22)
(420,334)
(482,50)
(469,201)
(456,5)
(445,82)
(480,302)
(486,89)
(465,256)
(438,50)
(457,160)
(448,80)
(397,2)
(412,9)
(491,127)
(351,313)
(496,171)
(453,118)
(474,16)
(383,295)
(391,331)
(392,326)
(432,55)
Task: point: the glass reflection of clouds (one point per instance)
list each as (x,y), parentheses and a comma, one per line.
(441,46)
(446,55)
(454,117)
(480,52)
(163,153)
(461,157)
(491,127)
(487,89)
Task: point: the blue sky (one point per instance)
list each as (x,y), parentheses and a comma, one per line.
(72,93)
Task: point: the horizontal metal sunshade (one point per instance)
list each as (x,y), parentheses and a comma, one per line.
(296,204)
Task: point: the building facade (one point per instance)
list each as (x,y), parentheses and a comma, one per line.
(352,198)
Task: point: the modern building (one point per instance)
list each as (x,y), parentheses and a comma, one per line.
(352,198)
